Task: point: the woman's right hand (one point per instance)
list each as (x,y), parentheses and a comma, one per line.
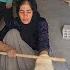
(11,53)
(6,48)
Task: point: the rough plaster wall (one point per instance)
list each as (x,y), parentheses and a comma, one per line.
(57,14)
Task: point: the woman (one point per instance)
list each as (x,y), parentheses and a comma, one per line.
(26,34)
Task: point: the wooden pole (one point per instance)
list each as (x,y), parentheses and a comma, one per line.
(35,57)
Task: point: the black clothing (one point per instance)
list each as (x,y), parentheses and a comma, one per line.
(34,34)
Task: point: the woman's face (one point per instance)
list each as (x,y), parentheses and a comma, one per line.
(25,13)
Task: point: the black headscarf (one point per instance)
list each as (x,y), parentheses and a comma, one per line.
(33,5)
(32,2)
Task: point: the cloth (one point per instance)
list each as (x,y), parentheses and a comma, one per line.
(13,39)
(43,63)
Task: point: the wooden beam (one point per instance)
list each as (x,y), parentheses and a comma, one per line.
(35,57)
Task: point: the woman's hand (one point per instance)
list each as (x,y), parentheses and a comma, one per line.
(7,48)
(11,53)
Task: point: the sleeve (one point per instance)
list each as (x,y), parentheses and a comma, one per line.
(3,32)
(7,27)
(43,39)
